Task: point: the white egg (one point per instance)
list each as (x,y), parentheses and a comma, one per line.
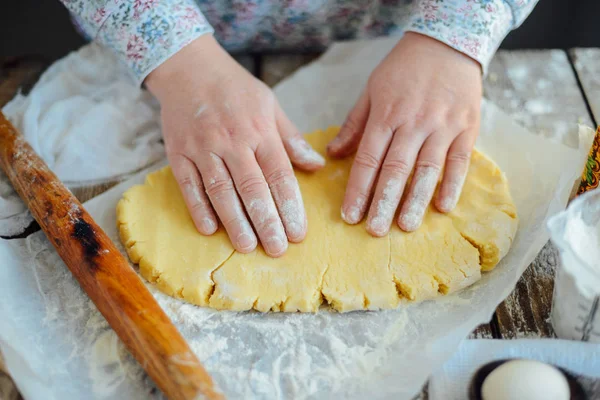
(525,380)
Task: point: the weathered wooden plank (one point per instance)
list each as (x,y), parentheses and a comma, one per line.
(539,89)
(84,194)
(587,66)
(483,331)
(526,311)
(275,67)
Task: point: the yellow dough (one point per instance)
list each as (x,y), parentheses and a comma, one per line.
(338,264)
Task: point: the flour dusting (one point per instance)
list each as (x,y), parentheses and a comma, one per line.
(291,206)
(584,240)
(425,180)
(200,110)
(455,185)
(355,211)
(386,206)
(303,153)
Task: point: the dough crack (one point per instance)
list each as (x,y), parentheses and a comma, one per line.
(477,246)
(281,305)
(212,277)
(319,291)
(401,288)
(442,287)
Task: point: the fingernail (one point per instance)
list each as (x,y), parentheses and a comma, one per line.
(208,226)
(294,230)
(411,220)
(275,246)
(448,203)
(245,241)
(352,216)
(335,143)
(315,157)
(377,226)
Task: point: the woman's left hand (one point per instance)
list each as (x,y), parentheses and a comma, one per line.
(420,111)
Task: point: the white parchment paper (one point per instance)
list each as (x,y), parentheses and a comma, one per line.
(57,346)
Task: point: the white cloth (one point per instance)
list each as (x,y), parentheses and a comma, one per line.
(451,382)
(89,122)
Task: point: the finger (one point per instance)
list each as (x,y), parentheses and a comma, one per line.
(221,192)
(365,167)
(195,198)
(427,171)
(284,188)
(299,151)
(347,140)
(395,171)
(256,196)
(455,172)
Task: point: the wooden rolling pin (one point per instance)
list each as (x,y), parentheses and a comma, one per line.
(104,273)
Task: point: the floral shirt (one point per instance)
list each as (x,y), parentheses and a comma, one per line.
(144,33)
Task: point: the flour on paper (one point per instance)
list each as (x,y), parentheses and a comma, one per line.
(337,264)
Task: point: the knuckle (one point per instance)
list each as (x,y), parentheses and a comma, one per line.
(397,166)
(461,157)
(251,185)
(429,164)
(188,182)
(198,206)
(280,176)
(350,125)
(230,133)
(232,222)
(267,226)
(367,160)
(216,187)
(262,123)
(390,117)
(472,116)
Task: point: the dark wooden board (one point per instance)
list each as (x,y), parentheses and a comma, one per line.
(586,63)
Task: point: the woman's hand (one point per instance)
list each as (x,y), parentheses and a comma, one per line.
(420,111)
(228,143)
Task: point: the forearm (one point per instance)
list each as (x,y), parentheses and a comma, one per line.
(143,34)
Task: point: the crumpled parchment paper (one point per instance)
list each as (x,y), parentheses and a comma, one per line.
(57,346)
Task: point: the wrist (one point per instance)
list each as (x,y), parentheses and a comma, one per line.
(198,55)
(434,45)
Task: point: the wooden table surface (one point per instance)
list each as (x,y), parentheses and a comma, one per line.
(547,91)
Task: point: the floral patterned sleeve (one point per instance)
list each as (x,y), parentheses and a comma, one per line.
(143,33)
(473,27)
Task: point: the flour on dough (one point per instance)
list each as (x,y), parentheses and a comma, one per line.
(337,264)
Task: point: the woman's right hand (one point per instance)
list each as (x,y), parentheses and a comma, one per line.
(230,145)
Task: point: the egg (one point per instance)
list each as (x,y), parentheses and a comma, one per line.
(525,380)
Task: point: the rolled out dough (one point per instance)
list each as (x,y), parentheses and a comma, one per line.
(339,264)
